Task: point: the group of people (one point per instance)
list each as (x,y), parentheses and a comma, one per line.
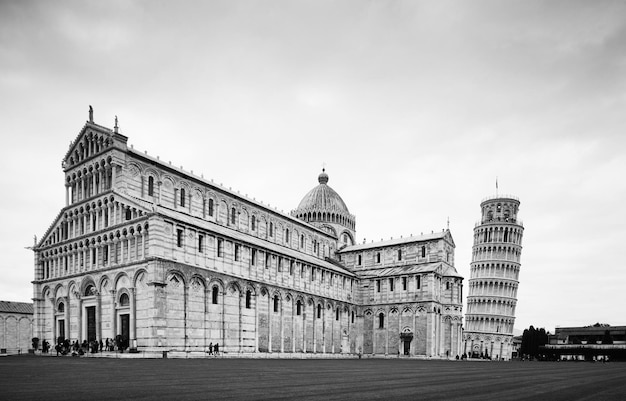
(214,349)
(64,347)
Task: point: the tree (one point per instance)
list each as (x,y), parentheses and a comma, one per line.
(532,339)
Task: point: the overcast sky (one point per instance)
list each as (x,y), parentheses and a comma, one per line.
(415,107)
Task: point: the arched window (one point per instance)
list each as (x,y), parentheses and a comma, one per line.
(319,311)
(248,299)
(298,308)
(337,314)
(352,316)
(253,223)
(381,321)
(447,285)
(423,251)
(210,207)
(129,214)
(302,241)
(271,229)
(275,303)
(124,300)
(287,235)
(378,257)
(214,294)
(150,186)
(61,307)
(399,254)
(233,215)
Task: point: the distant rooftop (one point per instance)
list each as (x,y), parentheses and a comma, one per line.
(16,307)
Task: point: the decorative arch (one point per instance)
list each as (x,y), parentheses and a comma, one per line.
(139,277)
(59,291)
(121,280)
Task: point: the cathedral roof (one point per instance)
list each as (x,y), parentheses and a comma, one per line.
(443,269)
(323,198)
(445,234)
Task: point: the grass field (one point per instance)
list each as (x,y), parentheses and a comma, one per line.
(67,378)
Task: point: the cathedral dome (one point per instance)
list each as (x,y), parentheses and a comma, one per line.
(323,198)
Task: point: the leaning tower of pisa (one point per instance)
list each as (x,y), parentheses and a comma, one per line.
(494,278)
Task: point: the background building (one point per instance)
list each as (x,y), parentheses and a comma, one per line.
(16,327)
(595,342)
(167,260)
(494,279)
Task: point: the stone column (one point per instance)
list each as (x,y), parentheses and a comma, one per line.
(223,316)
(270,311)
(98,316)
(332,331)
(79,319)
(133,317)
(113,317)
(256,321)
(314,318)
(374,326)
(207,299)
(324,329)
(429,335)
(113,168)
(66,300)
(401,342)
(388,314)
(452,334)
(53,321)
(282,338)
(241,308)
(293,325)
(67,194)
(414,339)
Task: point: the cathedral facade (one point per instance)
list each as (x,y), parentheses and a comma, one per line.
(169,261)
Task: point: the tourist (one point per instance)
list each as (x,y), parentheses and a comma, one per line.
(210,348)
(217,349)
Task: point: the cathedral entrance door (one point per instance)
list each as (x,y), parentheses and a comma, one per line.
(91,323)
(407,346)
(61,326)
(406,337)
(125,328)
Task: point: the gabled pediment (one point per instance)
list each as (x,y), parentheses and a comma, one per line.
(49,237)
(59,230)
(448,238)
(92,140)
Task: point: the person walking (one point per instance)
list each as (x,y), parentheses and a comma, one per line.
(217,349)
(210,348)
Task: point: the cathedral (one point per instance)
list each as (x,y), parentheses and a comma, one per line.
(169,261)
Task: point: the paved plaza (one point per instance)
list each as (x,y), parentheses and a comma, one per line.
(66,378)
